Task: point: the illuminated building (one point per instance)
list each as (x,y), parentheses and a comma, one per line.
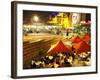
(65,20)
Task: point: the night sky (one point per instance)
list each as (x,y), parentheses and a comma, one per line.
(43,16)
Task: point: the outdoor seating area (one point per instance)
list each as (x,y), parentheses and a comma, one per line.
(62,60)
(63,55)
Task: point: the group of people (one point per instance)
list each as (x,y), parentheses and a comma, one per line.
(58,60)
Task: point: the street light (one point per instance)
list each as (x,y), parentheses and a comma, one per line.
(36,18)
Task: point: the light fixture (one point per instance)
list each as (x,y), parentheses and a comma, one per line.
(36,18)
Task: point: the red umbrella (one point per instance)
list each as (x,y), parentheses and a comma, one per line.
(87,38)
(76,39)
(84,23)
(82,47)
(58,47)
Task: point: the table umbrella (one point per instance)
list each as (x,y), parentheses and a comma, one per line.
(76,39)
(82,47)
(59,47)
(86,38)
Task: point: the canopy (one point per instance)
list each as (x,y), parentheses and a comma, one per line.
(82,47)
(84,23)
(76,39)
(59,47)
(87,38)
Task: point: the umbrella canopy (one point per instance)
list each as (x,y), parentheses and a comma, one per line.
(82,47)
(87,38)
(76,39)
(84,23)
(59,47)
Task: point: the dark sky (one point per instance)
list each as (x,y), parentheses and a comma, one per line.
(43,16)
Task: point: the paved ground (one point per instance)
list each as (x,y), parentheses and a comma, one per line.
(45,36)
(34,37)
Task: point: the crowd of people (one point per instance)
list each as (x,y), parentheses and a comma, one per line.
(58,60)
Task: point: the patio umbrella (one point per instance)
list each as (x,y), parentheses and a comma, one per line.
(59,47)
(84,23)
(81,47)
(86,38)
(76,39)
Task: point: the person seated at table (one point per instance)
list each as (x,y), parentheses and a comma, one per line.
(42,65)
(51,58)
(67,64)
(70,59)
(55,65)
(61,62)
(38,64)
(33,65)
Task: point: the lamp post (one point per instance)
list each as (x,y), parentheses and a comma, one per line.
(36,19)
